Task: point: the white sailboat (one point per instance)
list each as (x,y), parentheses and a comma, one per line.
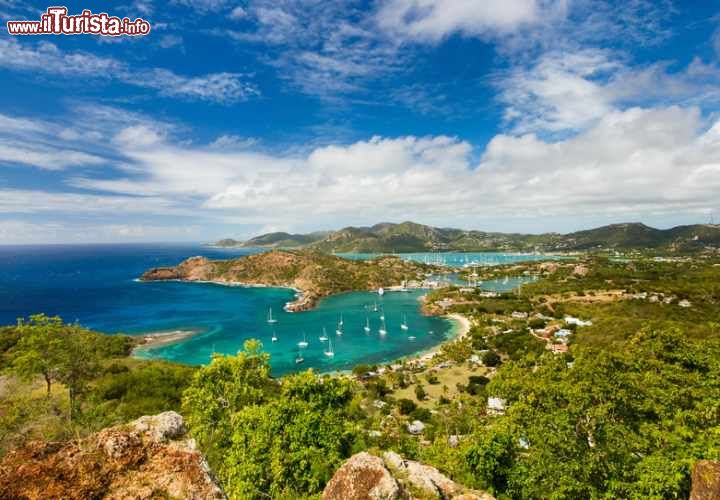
(274,337)
(381,292)
(330,353)
(367,324)
(303,343)
(270,319)
(299,359)
(324,336)
(383,330)
(375,308)
(404,324)
(339,330)
(341,322)
(382,314)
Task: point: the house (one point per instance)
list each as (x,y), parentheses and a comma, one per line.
(558,348)
(496,406)
(519,315)
(684,303)
(563,334)
(570,320)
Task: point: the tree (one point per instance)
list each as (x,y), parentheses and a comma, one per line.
(293,443)
(221,389)
(64,353)
(406,406)
(420,393)
(490,358)
(37,351)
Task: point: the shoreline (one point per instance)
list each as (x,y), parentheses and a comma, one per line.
(154,340)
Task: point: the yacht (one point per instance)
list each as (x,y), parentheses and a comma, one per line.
(404,324)
(274,337)
(270,319)
(367,324)
(330,353)
(339,330)
(382,315)
(303,343)
(299,359)
(383,330)
(324,336)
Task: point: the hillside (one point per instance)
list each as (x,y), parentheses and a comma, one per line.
(274,240)
(314,274)
(412,237)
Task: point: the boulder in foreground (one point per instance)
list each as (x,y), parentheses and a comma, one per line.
(367,477)
(141,460)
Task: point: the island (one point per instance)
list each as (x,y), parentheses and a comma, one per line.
(312,274)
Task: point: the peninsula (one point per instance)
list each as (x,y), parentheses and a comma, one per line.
(314,275)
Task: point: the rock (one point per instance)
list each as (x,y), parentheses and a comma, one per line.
(453,441)
(141,460)
(416,427)
(363,476)
(580,270)
(167,425)
(706,480)
(430,482)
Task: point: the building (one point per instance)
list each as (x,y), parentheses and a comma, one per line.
(496,406)
(519,315)
(570,320)
(558,348)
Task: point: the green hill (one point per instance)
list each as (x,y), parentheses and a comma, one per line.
(413,237)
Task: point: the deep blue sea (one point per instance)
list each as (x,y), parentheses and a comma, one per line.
(96,285)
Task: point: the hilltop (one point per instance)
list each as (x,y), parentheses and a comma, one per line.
(412,237)
(314,274)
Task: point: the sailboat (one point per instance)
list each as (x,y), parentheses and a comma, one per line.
(330,353)
(274,337)
(303,343)
(404,324)
(324,336)
(270,319)
(341,322)
(339,329)
(375,308)
(367,324)
(382,330)
(505,280)
(382,315)
(299,359)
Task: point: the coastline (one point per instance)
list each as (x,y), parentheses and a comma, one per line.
(158,339)
(462,328)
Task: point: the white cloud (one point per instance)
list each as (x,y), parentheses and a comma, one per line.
(433,20)
(168,41)
(650,161)
(48,158)
(237,13)
(24,232)
(222,87)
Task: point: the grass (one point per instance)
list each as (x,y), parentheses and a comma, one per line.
(447,377)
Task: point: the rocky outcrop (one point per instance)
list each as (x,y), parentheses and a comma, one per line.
(706,480)
(365,476)
(144,459)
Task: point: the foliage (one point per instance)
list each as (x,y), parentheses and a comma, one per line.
(406,406)
(267,438)
(420,393)
(625,423)
(490,358)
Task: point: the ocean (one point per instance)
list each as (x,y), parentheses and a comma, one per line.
(97,286)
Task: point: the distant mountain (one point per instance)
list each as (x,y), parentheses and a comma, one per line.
(274,240)
(412,237)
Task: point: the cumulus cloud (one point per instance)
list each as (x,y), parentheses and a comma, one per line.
(633,161)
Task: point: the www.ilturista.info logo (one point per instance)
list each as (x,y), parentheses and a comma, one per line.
(55,21)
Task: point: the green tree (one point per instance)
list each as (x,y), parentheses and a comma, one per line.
(293,443)
(221,389)
(38,349)
(67,354)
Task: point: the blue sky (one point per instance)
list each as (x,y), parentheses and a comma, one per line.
(238,117)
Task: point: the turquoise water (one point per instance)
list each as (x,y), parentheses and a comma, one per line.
(354,346)
(96,286)
(457,259)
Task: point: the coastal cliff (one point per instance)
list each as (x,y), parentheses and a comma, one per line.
(312,274)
